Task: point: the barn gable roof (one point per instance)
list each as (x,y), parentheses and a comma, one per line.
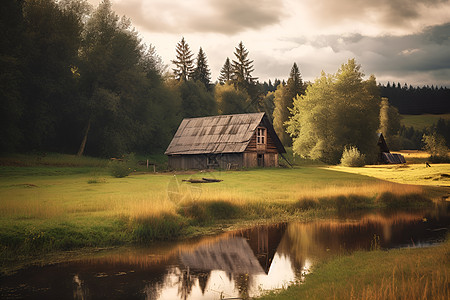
(219,134)
(382,143)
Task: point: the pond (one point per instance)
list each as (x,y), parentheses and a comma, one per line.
(238,264)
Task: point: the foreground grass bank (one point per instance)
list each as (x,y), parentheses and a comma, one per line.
(420,273)
(50,209)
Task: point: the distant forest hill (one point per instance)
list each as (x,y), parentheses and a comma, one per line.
(417,100)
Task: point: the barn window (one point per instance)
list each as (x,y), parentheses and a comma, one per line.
(261,135)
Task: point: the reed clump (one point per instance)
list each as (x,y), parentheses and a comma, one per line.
(156,228)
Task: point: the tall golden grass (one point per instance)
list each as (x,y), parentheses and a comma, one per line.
(408,286)
(136,202)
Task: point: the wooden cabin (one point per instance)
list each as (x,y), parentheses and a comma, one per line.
(226,141)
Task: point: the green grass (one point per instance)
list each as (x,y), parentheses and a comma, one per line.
(420,122)
(421,273)
(51,159)
(44,209)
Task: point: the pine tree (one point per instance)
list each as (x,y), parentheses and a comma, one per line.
(295,84)
(184,62)
(201,71)
(226,72)
(284,101)
(242,68)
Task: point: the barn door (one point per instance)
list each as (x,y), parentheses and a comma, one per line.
(260,160)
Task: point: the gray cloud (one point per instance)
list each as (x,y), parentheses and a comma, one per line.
(213,16)
(419,59)
(390,13)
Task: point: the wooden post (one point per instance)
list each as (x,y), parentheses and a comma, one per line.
(154,168)
(147,163)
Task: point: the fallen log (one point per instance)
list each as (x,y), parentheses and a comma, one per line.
(203,180)
(212,179)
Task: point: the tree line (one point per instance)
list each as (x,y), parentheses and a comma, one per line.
(411,100)
(80,80)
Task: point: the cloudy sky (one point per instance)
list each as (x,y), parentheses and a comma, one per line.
(405,41)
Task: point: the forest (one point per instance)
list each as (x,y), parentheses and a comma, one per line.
(80,80)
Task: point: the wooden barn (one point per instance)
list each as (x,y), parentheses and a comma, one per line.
(227,141)
(385,156)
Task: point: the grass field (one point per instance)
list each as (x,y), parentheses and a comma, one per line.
(422,121)
(437,175)
(44,209)
(421,273)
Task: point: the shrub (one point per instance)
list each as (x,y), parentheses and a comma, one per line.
(351,157)
(123,167)
(435,145)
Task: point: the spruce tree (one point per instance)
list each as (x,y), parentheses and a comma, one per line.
(201,71)
(226,72)
(242,68)
(284,101)
(183,62)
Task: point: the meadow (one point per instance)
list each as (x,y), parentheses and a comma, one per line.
(50,207)
(420,122)
(418,273)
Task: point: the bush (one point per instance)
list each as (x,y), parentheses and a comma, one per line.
(123,167)
(435,145)
(351,157)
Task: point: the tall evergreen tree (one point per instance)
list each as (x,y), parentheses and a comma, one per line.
(242,68)
(183,62)
(295,84)
(201,71)
(284,101)
(226,73)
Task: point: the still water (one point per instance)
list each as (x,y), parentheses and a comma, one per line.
(236,264)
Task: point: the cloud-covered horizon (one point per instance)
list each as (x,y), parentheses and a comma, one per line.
(396,40)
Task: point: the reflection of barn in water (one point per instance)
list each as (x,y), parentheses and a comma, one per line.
(247,252)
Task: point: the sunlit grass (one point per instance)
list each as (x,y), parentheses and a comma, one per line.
(414,174)
(421,273)
(150,195)
(44,209)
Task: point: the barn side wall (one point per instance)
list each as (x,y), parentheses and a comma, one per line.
(201,161)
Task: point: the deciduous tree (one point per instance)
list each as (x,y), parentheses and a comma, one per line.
(229,100)
(336,111)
